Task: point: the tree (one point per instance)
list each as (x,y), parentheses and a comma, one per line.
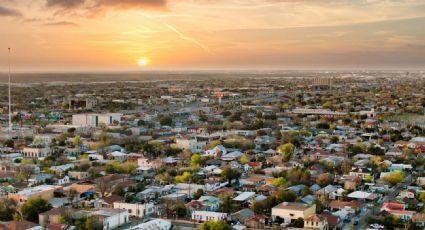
(9,143)
(166,120)
(394,177)
(7,209)
(92,223)
(230,174)
(279,182)
(180,210)
(195,160)
(198,194)
(346,167)
(104,185)
(25,171)
(324,179)
(71,194)
(286,150)
(33,207)
(244,159)
(214,225)
(185,177)
(298,223)
(76,141)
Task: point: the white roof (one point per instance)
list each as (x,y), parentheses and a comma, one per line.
(244,196)
(360,195)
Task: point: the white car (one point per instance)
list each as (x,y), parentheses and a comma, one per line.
(376,226)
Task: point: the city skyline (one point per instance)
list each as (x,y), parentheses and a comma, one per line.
(81,35)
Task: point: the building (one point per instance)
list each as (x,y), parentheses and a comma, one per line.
(53,216)
(203,216)
(95,119)
(136,209)
(43,191)
(289,211)
(191,144)
(155,224)
(31,152)
(77,175)
(316,222)
(111,218)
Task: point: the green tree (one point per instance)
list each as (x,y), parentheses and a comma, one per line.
(244,159)
(198,194)
(279,182)
(230,174)
(33,207)
(214,225)
(394,177)
(286,150)
(195,160)
(185,177)
(166,120)
(7,209)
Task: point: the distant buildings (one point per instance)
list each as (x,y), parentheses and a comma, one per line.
(95,119)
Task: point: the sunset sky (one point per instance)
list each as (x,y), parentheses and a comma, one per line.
(212,34)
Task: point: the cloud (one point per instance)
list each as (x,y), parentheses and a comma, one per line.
(101,6)
(61,23)
(64,3)
(128,4)
(8,12)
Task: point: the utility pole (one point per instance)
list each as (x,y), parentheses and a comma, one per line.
(10,107)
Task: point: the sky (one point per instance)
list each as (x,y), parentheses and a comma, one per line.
(75,35)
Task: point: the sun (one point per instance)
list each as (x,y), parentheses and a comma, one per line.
(143,62)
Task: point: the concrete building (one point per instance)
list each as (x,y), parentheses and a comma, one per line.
(155,224)
(136,209)
(203,216)
(316,222)
(30,152)
(43,191)
(289,211)
(111,218)
(95,119)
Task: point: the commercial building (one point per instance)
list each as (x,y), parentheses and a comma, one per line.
(289,211)
(95,119)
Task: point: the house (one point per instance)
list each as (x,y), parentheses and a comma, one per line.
(256,222)
(203,216)
(61,169)
(118,156)
(335,205)
(61,180)
(242,215)
(398,210)
(419,219)
(137,209)
(20,225)
(316,221)
(153,224)
(33,152)
(211,203)
(218,150)
(190,143)
(406,194)
(108,202)
(53,216)
(111,218)
(363,173)
(289,211)
(43,191)
(231,156)
(78,175)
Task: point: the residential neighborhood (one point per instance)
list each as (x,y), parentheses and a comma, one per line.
(286,152)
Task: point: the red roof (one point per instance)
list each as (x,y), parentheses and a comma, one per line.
(391,206)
